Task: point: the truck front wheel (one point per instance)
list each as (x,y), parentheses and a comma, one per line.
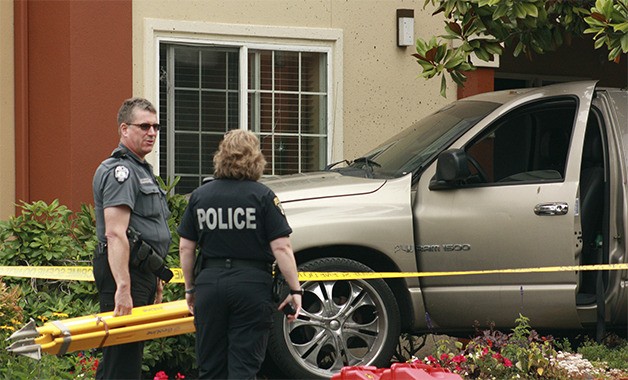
(342,323)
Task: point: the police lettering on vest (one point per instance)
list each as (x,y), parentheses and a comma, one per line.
(226,218)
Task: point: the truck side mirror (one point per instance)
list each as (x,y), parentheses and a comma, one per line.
(452,167)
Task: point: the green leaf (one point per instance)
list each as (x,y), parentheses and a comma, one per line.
(614,53)
(455,61)
(518,49)
(621,28)
(599,42)
(624,43)
(500,11)
(421,46)
(443,87)
(519,10)
(483,55)
(531,10)
(606,7)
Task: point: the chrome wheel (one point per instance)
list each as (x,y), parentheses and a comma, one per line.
(342,323)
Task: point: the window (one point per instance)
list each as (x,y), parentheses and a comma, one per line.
(206,90)
(529,144)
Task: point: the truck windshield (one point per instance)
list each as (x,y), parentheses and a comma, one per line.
(412,148)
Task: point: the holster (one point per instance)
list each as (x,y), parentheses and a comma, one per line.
(144,257)
(279,284)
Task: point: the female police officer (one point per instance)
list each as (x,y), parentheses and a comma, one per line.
(241,229)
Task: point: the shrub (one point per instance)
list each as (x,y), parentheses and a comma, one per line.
(52,235)
(611,353)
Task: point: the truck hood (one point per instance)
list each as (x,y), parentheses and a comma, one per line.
(295,187)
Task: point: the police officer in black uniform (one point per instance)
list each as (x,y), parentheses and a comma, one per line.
(126,194)
(241,229)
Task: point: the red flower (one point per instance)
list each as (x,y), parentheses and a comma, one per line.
(161,375)
(444,357)
(459,359)
(485,351)
(430,359)
(507,363)
(180,376)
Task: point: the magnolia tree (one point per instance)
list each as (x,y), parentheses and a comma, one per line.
(485,27)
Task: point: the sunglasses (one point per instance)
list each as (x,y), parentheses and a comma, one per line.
(146,126)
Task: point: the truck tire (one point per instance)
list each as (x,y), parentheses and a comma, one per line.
(342,323)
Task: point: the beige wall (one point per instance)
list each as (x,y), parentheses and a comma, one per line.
(7,120)
(381,92)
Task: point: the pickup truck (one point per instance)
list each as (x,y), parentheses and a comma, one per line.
(523,178)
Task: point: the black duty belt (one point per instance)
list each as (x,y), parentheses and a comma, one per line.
(237,263)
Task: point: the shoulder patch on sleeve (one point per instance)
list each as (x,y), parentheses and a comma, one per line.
(121,173)
(278,205)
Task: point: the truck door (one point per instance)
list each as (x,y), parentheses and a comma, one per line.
(519,209)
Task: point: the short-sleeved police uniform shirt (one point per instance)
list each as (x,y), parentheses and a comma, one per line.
(124,179)
(234,219)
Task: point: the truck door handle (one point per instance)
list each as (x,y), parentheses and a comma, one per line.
(552,208)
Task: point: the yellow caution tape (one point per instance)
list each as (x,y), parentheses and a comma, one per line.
(51,273)
(335,276)
(85,273)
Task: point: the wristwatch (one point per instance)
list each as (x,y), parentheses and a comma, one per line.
(300,291)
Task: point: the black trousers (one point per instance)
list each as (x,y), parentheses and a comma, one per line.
(123,361)
(233,316)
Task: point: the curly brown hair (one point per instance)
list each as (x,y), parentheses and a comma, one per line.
(239,156)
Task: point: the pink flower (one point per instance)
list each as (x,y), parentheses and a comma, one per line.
(161,375)
(485,351)
(180,376)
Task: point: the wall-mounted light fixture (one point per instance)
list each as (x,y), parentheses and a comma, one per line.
(405,27)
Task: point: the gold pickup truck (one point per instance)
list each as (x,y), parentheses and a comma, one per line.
(528,178)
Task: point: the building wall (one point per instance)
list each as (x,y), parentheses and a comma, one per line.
(72,72)
(7,121)
(381,91)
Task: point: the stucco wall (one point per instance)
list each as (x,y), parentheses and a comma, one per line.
(381,91)
(7,121)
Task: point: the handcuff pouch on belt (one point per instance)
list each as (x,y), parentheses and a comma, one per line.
(144,257)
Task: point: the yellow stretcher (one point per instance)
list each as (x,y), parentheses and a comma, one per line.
(103,329)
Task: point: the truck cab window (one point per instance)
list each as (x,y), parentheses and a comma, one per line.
(529,144)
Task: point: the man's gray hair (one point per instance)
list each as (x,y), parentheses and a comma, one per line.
(125,114)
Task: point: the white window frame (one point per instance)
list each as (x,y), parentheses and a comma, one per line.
(248,37)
